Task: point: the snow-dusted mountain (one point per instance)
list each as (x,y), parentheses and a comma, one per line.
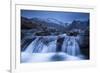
(52,26)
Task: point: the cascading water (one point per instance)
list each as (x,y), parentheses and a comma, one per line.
(39,45)
(32,46)
(50,47)
(46,47)
(70,46)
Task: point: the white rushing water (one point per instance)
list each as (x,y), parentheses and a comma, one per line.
(70,46)
(45,49)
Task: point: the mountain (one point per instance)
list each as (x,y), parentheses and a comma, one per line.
(50,23)
(40,23)
(51,26)
(27,24)
(40,27)
(82,25)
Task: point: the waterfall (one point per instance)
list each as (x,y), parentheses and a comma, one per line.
(52,46)
(38,46)
(32,46)
(70,46)
(45,48)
